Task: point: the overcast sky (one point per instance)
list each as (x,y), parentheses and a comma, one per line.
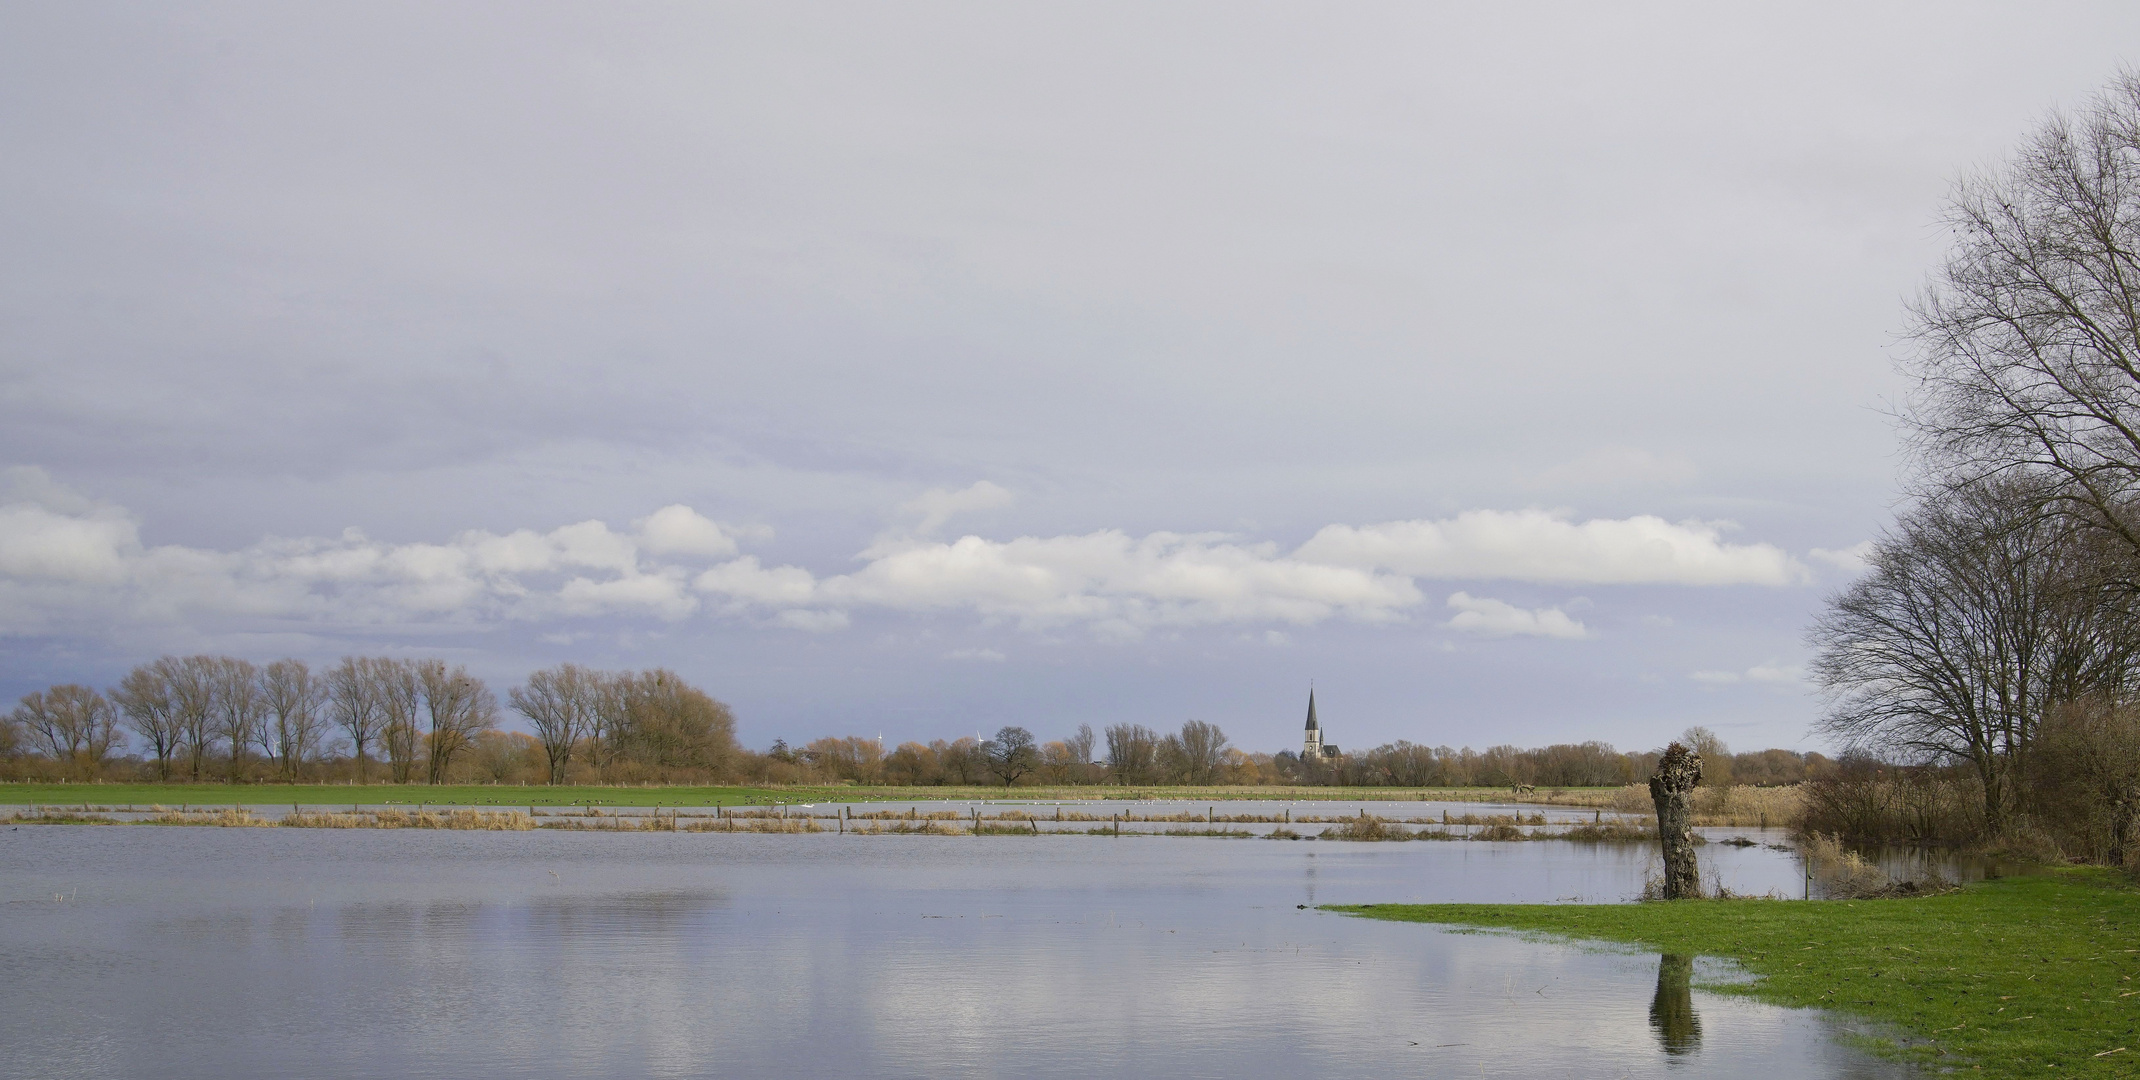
(1516,373)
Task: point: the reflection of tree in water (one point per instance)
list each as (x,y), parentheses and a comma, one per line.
(1672,1016)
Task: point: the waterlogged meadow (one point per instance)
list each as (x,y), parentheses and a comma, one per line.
(1358,820)
(505,947)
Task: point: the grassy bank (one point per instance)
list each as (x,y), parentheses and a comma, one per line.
(102,794)
(2015,977)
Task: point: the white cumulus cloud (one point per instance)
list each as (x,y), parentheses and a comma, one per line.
(680,530)
(1498,618)
(1766,674)
(1850,560)
(936,506)
(63,557)
(1535,546)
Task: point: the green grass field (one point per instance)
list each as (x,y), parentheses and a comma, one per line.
(2022,976)
(377,794)
(213,794)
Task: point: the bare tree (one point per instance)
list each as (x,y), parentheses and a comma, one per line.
(1011,754)
(559,702)
(239,709)
(353,703)
(1202,750)
(659,721)
(401,699)
(73,725)
(460,707)
(144,696)
(1080,745)
(191,683)
(2028,338)
(292,698)
(607,717)
(1716,757)
(1978,614)
(1132,753)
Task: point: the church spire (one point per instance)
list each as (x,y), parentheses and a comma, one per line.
(1311,748)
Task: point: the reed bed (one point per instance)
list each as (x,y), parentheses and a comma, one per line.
(1736,807)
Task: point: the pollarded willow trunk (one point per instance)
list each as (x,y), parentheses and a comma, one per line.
(1677,773)
(1672,1015)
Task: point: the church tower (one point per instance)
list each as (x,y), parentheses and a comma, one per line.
(1312,749)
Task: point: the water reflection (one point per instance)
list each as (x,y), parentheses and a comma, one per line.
(1672,1017)
(247,952)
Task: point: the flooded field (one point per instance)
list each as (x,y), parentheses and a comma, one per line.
(232,952)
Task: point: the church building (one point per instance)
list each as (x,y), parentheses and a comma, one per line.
(1315,748)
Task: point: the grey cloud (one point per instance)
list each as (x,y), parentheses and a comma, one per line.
(1196,282)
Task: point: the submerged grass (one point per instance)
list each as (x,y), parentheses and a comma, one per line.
(2013,977)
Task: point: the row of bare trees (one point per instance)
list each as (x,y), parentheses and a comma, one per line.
(1589,764)
(222,717)
(423,720)
(1994,639)
(196,712)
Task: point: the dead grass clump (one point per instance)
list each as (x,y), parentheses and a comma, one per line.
(1366,827)
(1607,832)
(908,828)
(1500,832)
(1282,833)
(58,817)
(225,819)
(1494,819)
(329,821)
(1841,873)
(734,825)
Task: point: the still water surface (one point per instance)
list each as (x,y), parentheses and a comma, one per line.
(202,952)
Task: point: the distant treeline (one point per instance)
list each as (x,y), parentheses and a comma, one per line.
(365,719)
(1200,753)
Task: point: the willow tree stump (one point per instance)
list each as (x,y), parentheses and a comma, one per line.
(1677,773)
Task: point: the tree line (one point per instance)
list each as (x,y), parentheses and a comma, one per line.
(1983,668)
(363,719)
(202,718)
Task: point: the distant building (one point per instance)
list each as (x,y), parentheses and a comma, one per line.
(1314,748)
